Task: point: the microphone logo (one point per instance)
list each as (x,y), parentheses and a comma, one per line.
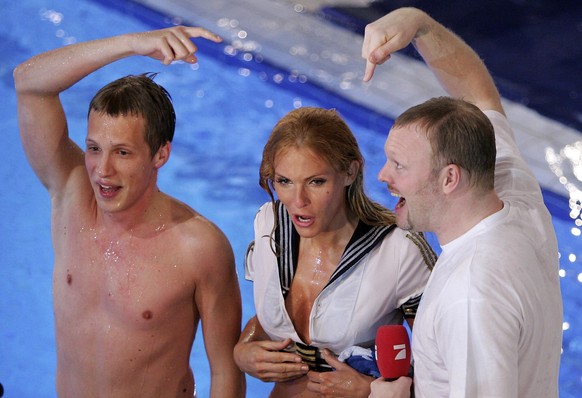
(400,352)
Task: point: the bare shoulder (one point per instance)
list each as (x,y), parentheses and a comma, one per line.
(206,257)
(199,237)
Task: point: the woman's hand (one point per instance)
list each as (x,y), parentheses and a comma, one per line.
(344,381)
(266,361)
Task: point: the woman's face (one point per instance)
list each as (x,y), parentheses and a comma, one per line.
(312,190)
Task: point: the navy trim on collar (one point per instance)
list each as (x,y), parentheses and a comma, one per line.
(364,239)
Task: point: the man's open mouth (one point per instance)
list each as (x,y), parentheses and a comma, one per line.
(401,199)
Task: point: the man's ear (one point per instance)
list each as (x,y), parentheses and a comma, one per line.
(162,155)
(450,177)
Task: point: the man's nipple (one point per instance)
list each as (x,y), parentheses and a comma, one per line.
(147,314)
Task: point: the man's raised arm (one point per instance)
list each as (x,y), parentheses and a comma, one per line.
(40,80)
(457,67)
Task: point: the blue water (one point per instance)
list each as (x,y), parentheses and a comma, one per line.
(225,108)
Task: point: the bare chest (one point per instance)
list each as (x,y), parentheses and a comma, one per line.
(311,276)
(128,281)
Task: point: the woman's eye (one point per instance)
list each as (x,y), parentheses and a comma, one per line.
(318,181)
(282,181)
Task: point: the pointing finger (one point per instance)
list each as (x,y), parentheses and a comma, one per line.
(204,33)
(369,72)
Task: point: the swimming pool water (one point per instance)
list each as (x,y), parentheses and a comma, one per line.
(225,109)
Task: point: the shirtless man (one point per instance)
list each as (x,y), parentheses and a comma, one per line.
(135,270)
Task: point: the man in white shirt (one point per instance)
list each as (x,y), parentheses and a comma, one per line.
(490,321)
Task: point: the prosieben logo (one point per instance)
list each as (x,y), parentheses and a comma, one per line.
(400,350)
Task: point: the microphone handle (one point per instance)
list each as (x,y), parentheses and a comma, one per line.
(411,375)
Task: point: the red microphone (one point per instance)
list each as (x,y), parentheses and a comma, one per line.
(393,351)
